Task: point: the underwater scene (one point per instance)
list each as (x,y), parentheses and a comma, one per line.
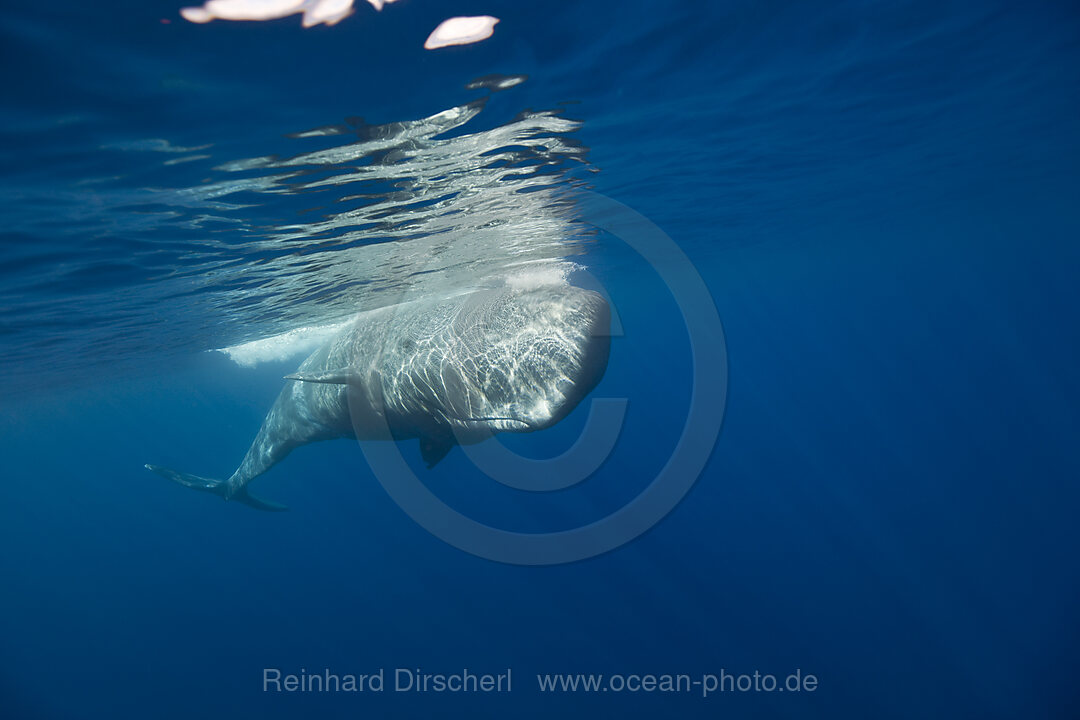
(524,359)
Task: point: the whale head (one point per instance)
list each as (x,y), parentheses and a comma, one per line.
(528,358)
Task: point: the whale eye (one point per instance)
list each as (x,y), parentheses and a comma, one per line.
(408,345)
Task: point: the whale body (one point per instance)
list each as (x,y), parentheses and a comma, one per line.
(445,371)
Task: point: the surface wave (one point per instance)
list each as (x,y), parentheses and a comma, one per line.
(223,252)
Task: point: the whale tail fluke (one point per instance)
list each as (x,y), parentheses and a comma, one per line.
(217,487)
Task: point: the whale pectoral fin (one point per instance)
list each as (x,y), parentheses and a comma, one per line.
(217,487)
(331,377)
(434,448)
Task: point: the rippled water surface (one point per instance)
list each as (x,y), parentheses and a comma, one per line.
(356,217)
(174,188)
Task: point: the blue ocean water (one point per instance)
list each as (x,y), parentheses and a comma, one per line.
(882,199)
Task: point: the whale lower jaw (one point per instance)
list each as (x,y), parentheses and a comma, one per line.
(496,424)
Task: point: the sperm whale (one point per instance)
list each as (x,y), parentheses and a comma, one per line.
(445,371)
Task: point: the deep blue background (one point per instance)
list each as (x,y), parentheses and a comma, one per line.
(883,199)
